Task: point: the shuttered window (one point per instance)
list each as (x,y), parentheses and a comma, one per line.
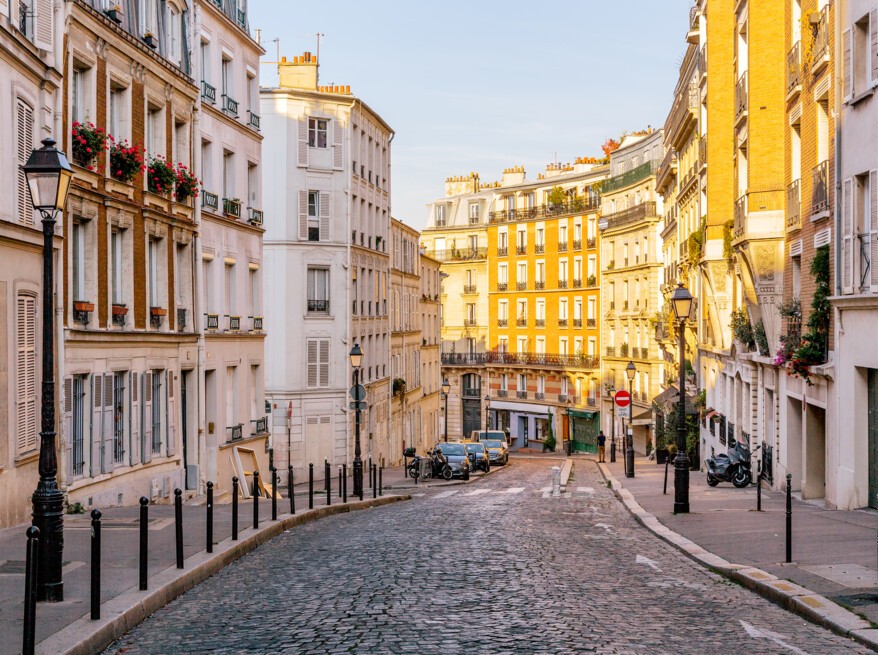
(26,372)
(24,117)
(230,289)
(318,363)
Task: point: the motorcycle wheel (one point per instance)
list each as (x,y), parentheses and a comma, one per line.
(712,481)
(447,473)
(742,478)
(413,471)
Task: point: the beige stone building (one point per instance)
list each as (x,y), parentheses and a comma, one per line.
(431,363)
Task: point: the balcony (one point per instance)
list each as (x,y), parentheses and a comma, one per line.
(541,322)
(820,191)
(502,393)
(181,319)
(521,394)
(577,322)
(455,255)
(540,248)
(470,322)
(318,306)
(208,92)
(212,321)
(254,216)
(592,281)
(469,288)
(577,244)
(209,201)
(540,285)
(232,207)
(539,395)
(628,178)
(577,283)
(521,322)
(611,351)
(253,120)
(591,322)
(623,350)
(741,100)
(524,359)
(521,286)
(521,249)
(820,48)
(752,202)
(794,206)
(502,286)
(562,284)
(591,243)
(631,215)
(562,397)
(260,425)
(562,246)
(502,322)
(591,401)
(256,324)
(234,323)
(230,106)
(576,206)
(502,251)
(236,431)
(794,66)
(562,322)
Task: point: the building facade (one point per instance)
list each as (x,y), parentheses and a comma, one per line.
(329,187)
(431,362)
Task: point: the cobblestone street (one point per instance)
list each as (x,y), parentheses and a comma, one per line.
(493,567)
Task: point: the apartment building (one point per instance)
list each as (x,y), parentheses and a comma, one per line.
(30,84)
(327,261)
(852,434)
(429,309)
(129,351)
(230,393)
(633,274)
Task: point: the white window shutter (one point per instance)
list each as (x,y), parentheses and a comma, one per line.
(97,422)
(847,236)
(303,215)
(108,427)
(337,145)
(43,21)
(26,375)
(146,439)
(324,362)
(873,46)
(312,363)
(135,419)
(24,143)
(303,142)
(873,229)
(847,64)
(172,423)
(324,216)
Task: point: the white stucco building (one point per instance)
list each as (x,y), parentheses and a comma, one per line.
(326,268)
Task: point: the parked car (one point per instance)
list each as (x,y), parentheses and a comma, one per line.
(456,455)
(481,435)
(478,456)
(497,451)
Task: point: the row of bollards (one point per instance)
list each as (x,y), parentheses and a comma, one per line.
(28,641)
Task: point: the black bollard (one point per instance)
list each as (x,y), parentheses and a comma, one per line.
(374,481)
(361,485)
(273,494)
(210,517)
(255,500)
(665,488)
(310,486)
(95,564)
(30,591)
(789,518)
(759,490)
(339,482)
(328,484)
(292,490)
(380,480)
(178,525)
(234,509)
(144,540)
(344,484)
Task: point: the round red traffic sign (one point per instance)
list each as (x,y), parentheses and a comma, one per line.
(622,398)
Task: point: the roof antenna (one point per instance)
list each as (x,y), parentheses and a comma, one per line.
(319,36)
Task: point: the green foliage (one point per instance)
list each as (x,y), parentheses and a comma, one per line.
(728,251)
(742,330)
(398,386)
(550,442)
(160,176)
(557,196)
(761,339)
(811,349)
(791,308)
(75,508)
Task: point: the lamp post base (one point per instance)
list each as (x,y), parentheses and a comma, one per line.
(358,477)
(629,461)
(681,483)
(613,451)
(48,516)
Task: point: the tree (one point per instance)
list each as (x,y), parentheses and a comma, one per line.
(609,146)
(550,443)
(557,196)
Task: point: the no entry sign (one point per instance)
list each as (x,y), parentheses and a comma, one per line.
(622,398)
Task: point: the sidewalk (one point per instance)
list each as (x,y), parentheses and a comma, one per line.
(61,626)
(834,552)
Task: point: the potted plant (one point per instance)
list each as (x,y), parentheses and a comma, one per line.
(149,40)
(125,161)
(160,176)
(120,310)
(399,386)
(186,184)
(114,13)
(88,141)
(158,311)
(83,306)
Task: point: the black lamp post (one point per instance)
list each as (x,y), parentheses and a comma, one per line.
(48,178)
(681,301)
(446,388)
(487,411)
(611,391)
(630,371)
(356,356)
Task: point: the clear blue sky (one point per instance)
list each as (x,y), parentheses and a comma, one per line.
(481,85)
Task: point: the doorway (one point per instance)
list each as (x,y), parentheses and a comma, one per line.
(872,429)
(794,442)
(814,480)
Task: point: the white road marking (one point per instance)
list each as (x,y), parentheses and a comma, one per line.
(514,490)
(545,489)
(417,495)
(757,633)
(446,494)
(650,563)
(478,492)
(605,526)
(585,490)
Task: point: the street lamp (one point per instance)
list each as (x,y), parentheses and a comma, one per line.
(487,410)
(681,301)
(446,388)
(630,371)
(48,176)
(356,356)
(611,391)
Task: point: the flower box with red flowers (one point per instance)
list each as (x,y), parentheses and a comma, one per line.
(160,176)
(186,184)
(126,161)
(88,141)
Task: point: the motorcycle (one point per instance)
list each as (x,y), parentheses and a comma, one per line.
(734,467)
(437,465)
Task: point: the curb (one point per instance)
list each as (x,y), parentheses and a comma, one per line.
(788,595)
(123,612)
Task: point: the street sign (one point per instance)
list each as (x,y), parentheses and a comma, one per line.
(622,398)
(358,392)
(624,412)
(362,404)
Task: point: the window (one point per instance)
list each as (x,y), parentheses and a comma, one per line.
(474,212)
(115,266)
(522,344)
(503,310)
(153,264)
(318,363)
(228,80)
(174,33)
(313,216)
(119,115)
(317,129)
(80,92)
(440,215)
(253,290)
(230,295)
(562,309)
(156,391)
(78,260)
(562,346)
(504,382)
(26,373)
(154,131)
(521,275)
(562,271)
(24,145)
(522,382)
(147,17)
(318,290)
(119,418)
(205,62)
(797,276)
(228,174)
(181,142)
(860,63)
(502,274)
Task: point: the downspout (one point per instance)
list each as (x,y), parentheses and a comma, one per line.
(58,126)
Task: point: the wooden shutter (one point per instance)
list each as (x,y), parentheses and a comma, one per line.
(24,142)
(847,64)
(337,145)
(313,377)
(324,363)
(229,281)
(26,373)
(324,216)
(134,415)
(146,438)
(108,451)
(303,215)
(873,229)
(43,24)
(873,46)
(67,428)
(303,142)
(97,415)
(172,405)
(847,236)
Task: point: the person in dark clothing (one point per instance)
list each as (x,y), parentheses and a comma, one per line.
(602,442)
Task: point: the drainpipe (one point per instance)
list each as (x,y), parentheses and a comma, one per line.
(58,126)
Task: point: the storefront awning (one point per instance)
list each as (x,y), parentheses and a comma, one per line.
(581,413)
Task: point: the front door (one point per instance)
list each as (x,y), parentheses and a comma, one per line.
(873,437)
(472,416)
(585,434)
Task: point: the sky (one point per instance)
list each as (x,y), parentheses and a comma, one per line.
(482,85)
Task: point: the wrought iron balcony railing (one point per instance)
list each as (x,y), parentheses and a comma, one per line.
(208,92)
(454,255)
(540,248)
(502,322)
(318,306)
(820,188)
(541,322)
(502,286)
(209,201)
(521,394)
(577,244)
(526,358)
(577,322)
(562,246)
(469,288)
(794,65)
(502,251)
(232,207)
(591,322)
(253,120)
(794,206)
(577,283)
(821,31)
(562,284)
(230,105)
(181,318)
(741,95)
(254,216)
(576,206)
(236,431)
(562,322)
(521,286)
(539,285)
(212,321)
(629,177)
(631,215)
(521,249)
(234,323)
(521,322)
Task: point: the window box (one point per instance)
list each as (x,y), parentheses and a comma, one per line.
(232,207)
(82,310)
(156,316)
(212,321)
(114,13)
(119,314)
(150,40)
(254,216)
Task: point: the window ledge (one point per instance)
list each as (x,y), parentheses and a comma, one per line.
(819,216)
(860,96)
(27,458)
(320,316)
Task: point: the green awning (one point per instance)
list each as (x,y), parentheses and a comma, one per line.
(581,413)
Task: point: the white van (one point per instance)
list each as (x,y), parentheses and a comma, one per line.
(479,435)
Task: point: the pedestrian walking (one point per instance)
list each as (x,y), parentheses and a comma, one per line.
(602,442)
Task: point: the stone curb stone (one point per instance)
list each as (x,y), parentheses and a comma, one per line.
(792,597)
(125,611)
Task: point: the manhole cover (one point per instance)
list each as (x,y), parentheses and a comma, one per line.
(16,567)
(857,600)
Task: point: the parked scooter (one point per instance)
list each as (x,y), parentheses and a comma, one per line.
(734,467)
(438,466)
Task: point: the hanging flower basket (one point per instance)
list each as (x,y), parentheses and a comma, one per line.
(160,176)
(88,141)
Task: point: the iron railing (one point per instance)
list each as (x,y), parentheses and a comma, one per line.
(521,249)
(237,431)
(562,246)
(537,359)
(562,322)
(539,285)
(562,284)
(794,206)
(794,66)
(208,92)
(521,286)
(232,207)
(611,351)
(539,248)
(539,395)
(209,200)
(502,322)
(453,255)
(502,251)
(255,216)
(820,187)
(540,323)
(502,393)
(577,322)
(631,215)
(502,286)
(521,322)
(212,321)
(576,206)
(768,463)
(181,318)
(821,37)
(256,323)
(230,105)
(253,120)
(469,288)
(629,177)
(318,305)
(261,425)
(741,100)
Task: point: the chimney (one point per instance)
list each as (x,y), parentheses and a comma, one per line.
(301,73)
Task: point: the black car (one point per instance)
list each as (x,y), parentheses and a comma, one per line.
(455,453)
(478,457)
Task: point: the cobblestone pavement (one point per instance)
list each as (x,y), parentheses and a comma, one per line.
(495,567)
